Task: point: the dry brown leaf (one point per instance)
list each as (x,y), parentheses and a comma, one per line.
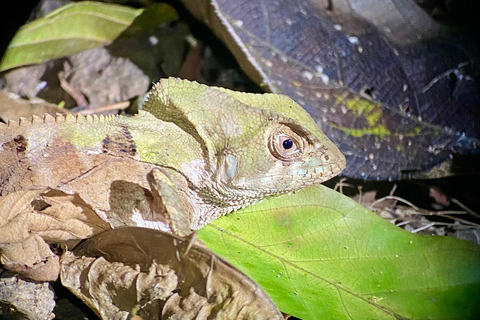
(114,290)
(54,215)
(32,258)
(29,217)
(145,270)
(12,108)
(25,300)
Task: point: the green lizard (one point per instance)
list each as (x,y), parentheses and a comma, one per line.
(213,150)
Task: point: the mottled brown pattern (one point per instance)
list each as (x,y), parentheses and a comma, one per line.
(120,142)
(44,165)
(18,145)
(12,158)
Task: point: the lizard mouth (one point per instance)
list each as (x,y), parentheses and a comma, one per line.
(340,164)
(337,168)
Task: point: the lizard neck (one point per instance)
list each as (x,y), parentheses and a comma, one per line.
(215,200)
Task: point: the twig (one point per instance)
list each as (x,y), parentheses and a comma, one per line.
(394,198)
(340,184)
(423,227)
(116,106)
(464,207)
(73,92)
(461,220)
(360,194)
(441,213)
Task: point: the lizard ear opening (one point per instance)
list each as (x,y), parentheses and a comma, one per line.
(285,144)
(231,166)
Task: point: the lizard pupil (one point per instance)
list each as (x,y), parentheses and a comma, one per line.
(287,144)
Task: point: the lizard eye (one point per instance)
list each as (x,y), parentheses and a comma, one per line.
(285,146)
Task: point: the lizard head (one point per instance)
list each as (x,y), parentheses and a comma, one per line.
(276,155)
(254,145)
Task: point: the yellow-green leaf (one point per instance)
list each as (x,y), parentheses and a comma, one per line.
(321,255)
(77,27)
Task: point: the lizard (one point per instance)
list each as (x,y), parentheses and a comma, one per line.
(213,150)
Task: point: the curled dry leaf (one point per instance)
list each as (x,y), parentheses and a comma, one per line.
(115,290)
(29,217)
(31,258)
(155,275)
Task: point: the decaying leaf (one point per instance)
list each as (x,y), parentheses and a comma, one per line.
(13,109)
(32,258)
(90,79)
(28,218)
(133,271)
(20,299)
(52,214)
(397,98)
(115,290)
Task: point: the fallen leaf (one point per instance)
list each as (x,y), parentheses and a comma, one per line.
(20,299)
(80,26)
(134,271)
(52,214)
(12,108)
(31,258)
(29,218)
(385,82)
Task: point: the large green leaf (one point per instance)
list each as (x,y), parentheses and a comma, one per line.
(77,27)
(321,255)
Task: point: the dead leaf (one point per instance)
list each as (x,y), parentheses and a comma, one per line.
(440,197)
(156,275)
(20,299)
(32,258)
(28,218)
(52,214)
(112,289)
(12,108)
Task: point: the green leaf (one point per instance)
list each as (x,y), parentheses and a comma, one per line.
(320,255)
(77,27)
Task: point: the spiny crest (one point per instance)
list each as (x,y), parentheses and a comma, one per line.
(60,118)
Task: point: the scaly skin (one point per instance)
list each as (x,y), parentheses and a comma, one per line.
(222,150)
